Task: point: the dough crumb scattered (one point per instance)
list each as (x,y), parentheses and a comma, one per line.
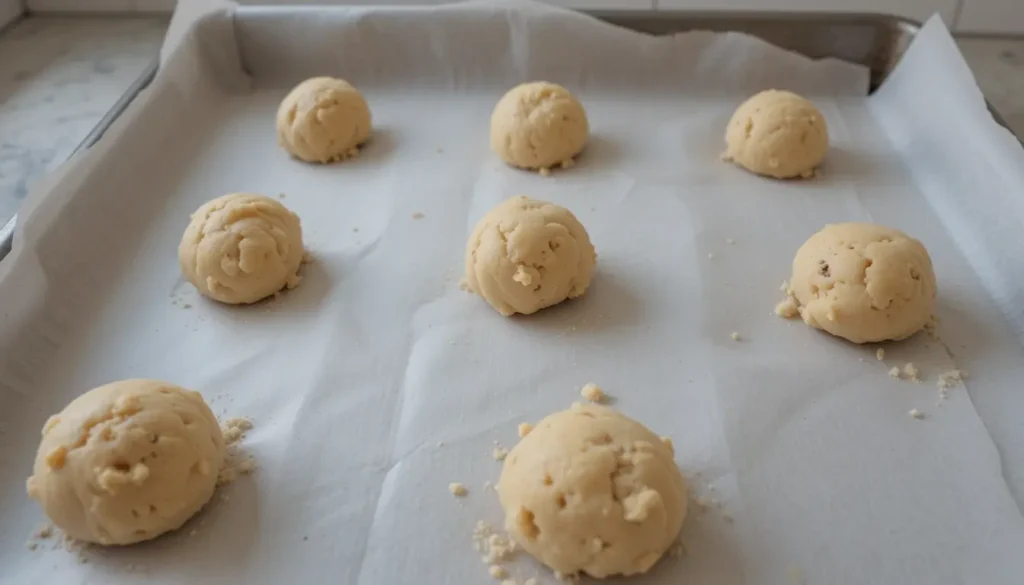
(524,429)
(787,309)
(880,354)
(894,372)
(916,414)
(911,372)
(593,393)
(668,443)
(544,172)
(498,572)
(457,489)
(951,378)
(234,429)
(734,336)
(499,453)
(677,551)
(418,215)
(785,286)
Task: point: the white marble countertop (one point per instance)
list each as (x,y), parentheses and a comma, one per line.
(59,76)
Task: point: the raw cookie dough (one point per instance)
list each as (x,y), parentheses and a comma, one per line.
(864,282)
(525,255)
(591,490)
(777,133)
(323,120)
(127,462)
(241,248)
(538,125)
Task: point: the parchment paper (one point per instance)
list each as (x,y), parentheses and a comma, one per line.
(378,381)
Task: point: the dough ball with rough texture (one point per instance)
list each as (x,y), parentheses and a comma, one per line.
(525,255)
(323,120)
(591,490)
(864,282)
(538,125)
(241,248)
(127,462)
(777,133)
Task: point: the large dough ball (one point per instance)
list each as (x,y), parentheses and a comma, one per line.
(127,462)
(591,490)
(323,120)
(525,255)
(777,133)
(241,248)
(538,125)
(864,282)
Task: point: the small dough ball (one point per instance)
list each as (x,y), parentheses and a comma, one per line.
(591,490)
(525,255)
(241,248)
(127,462)
(864,282)
(538,125)
(323,120)
(777,133)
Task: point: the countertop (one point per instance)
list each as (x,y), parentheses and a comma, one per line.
(59,76)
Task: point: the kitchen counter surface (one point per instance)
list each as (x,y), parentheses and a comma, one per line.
(59,76)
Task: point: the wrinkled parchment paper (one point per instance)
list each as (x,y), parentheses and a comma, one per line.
(378,381)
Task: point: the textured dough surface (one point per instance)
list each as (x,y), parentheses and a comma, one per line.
(241,248)
(777,133)
(127,462)
(592,490)
(323,120)
(538,125)
(525,255)
(864,282)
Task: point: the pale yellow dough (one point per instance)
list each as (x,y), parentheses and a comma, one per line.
(323,120)
(538,125)
(591,490)
(127,462)
(778,134)
(241,248)
(864,282)
(525,255)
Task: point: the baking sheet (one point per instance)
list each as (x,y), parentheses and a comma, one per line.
(378,381)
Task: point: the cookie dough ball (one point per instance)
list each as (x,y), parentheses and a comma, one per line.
(864,282)
(591,490)
(778,134)
(241,248)
(538,125)
(323,120)
(127,462)
(525,255)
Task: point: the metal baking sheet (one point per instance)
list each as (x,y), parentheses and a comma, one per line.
(378,381)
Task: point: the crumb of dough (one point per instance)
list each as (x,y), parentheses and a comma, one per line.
(418,215)
(45,532)
(440,443)
(499,453)
(568,163)
(880,354)
(32,545)
(544,172)
(234,429)
(574,578)
(186,306)
(493,547)
(234,468)
(951,378)
(785,286)
(734,336)
(281,195)
(678,550)
(82,559)
(894,372)
(911,371)
(730,241)
(497,571)
(524,429)
(711,256)
(915,413)
(457,489)
(787,309)
(702,502)
(593,392)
